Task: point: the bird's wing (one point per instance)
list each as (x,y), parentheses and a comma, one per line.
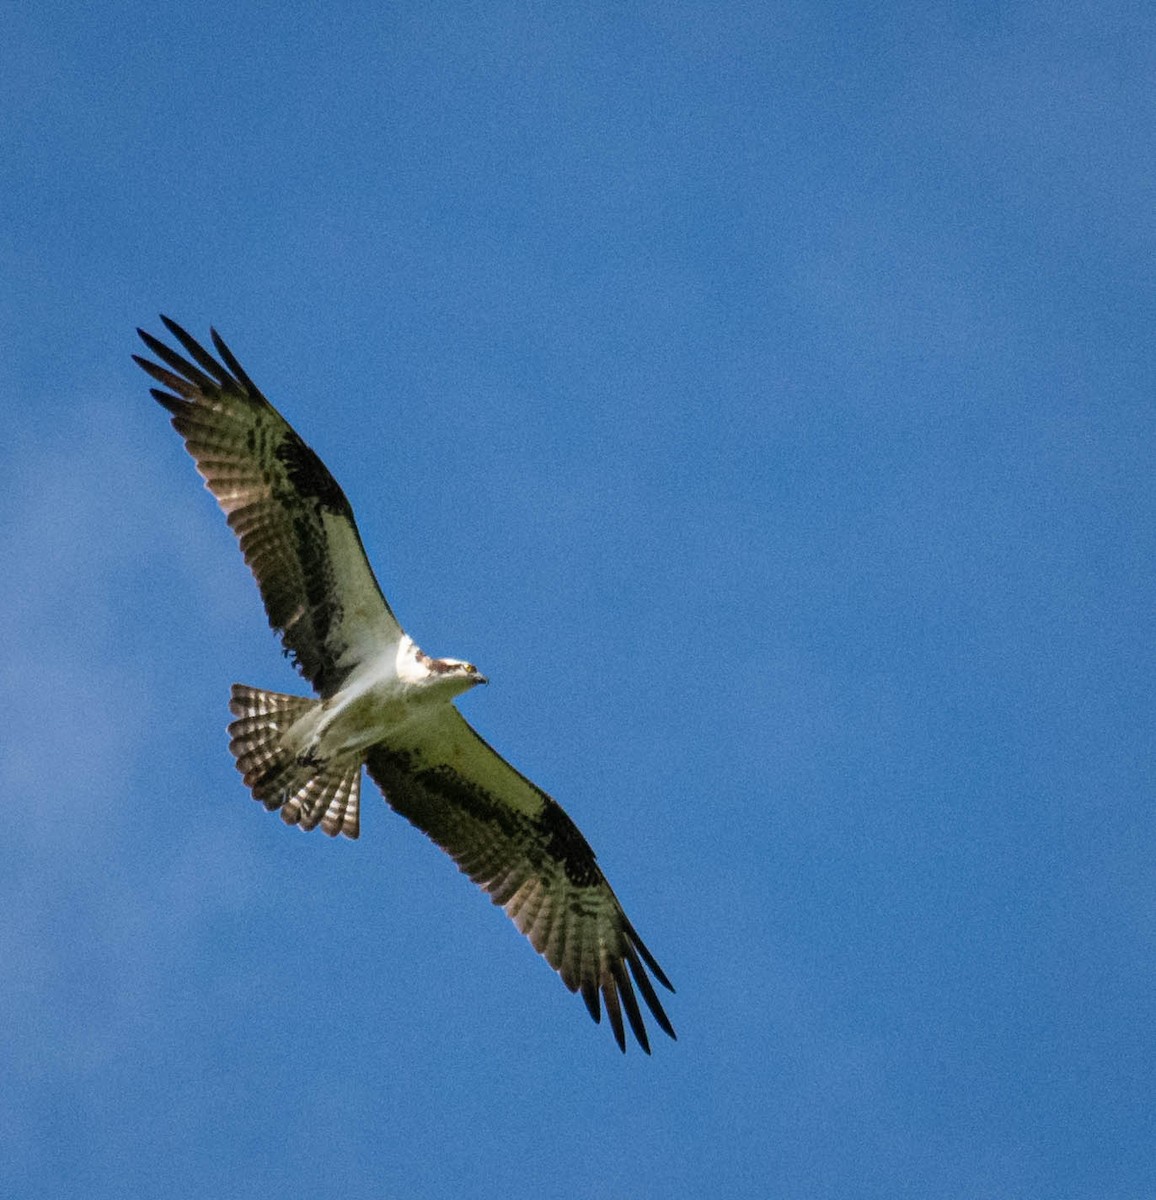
(519,845)
(295,526)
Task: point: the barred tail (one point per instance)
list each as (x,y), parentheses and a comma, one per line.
(307,791)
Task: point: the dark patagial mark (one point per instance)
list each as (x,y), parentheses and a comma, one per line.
(565,843)
(447,785)
(551,837)
(310,476)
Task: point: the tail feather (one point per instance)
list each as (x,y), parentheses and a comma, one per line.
(329,799)
(308,792)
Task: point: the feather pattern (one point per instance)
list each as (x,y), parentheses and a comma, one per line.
(519,845)
(298,535)
(295,526)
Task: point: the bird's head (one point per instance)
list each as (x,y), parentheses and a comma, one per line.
(461,670)
(459,676)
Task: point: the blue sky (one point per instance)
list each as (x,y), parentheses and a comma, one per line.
(762,395)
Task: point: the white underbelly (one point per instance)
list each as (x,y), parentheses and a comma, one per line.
(345,725)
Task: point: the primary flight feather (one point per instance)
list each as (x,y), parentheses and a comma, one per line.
(381,702)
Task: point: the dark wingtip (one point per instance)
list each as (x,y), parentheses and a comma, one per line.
(174,404)
(230,361)
(650,995)
(176,330)
(153,343)
(648,958)
(630,1003)
(614,1012)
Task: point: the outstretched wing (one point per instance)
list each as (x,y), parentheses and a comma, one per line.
(294,523)
(519,845)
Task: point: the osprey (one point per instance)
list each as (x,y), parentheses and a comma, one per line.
(382,703)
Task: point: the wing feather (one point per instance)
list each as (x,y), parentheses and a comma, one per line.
(519,845)
(297,532)
(294,524)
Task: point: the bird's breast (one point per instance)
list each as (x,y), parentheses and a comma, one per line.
(352,720)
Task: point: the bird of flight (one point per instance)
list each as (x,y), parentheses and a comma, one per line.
(382,703)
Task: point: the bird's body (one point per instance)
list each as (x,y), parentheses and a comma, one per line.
(379,699)
(382,703)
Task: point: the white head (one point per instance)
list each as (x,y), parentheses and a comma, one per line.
(451,675)
(455,668)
